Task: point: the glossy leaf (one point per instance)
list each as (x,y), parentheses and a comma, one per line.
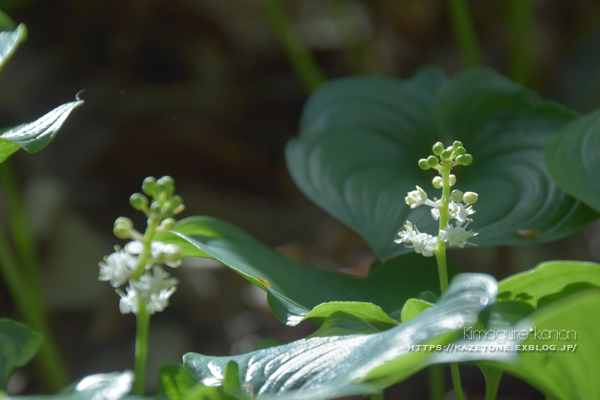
(34,136)
(325,367)
(367,312)
(547,279)
(111,386)
(9,41)
(361,139)
(573,162)
(295,289)
(18,345)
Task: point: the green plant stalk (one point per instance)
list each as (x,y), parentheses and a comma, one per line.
(49,357)
(141,347)
(436,382)
(465,33)
(298,55)
(521,17)
(440,255)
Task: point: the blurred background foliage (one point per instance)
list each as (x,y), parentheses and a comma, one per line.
(202,90)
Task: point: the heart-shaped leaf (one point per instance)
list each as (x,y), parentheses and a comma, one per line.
(295,289)
(9,41)
(18,345)
(34,136)
(573,162)
(361,139)
(325,367)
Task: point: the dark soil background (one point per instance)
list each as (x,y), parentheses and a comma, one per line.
(201,90)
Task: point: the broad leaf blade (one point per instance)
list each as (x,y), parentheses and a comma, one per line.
(18,345)
(361,139)
(327,367)
(573,162)
(9,41)
(295,289)
(34,136)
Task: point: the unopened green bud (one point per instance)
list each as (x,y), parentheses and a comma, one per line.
(452,180)
(172,255)
(459,151)
(470,197)
(457,144)
(447,153)
(433,161)
(423,164)
(167,223)
(437,182)
(438,148)
(178,209)
(456,195)
(173,203)
(155,208)
(139,201)
(166,184)
(465,159)
(123,227)
(148,186)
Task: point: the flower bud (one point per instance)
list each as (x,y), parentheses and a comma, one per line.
(452,180)
(139,201)
(148,186)
(166,184)
(172,255)
(447,153)
(457,195)
(423,164)
(457,144)
(167,223)
(172,204)
(465,159)
(437,182)
(155,208)
(433,161)
(470,197)
(438,148)
(459,151)
(123,227)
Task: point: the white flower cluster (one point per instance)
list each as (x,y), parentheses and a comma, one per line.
(154,287)
(459,205)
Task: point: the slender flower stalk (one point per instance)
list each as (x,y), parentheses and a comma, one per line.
(138,264)
(454,205)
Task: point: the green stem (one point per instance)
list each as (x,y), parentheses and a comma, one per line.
(298,55)
(31,311)
(437,388)
(146,251)
(440,255)
(465,33)
(521,20)
(141,347)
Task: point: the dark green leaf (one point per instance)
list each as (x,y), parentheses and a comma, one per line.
(361,139)
(388,286)
(573,162)
(9,41)
(266,343)
(547,279)
(34,136)
(325,367)
(18,345)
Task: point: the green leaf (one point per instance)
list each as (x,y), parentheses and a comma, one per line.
(266,343)
(563,374)
(341,323)
(388,285)
(325,367)
(18,345)
(573,162)
(361,139)
(174,381)
(547,279)
(202,392)
(111,386)
(412,308)
(34,136)
(368,312)
(9,41)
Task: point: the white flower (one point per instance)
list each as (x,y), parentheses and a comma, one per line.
(117,268)
(435,213)
(422,243)
(416,198)
(153,284)
(160,252)
(460,212)
(159,301)
(129,301)
(457,236)
(172,255)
